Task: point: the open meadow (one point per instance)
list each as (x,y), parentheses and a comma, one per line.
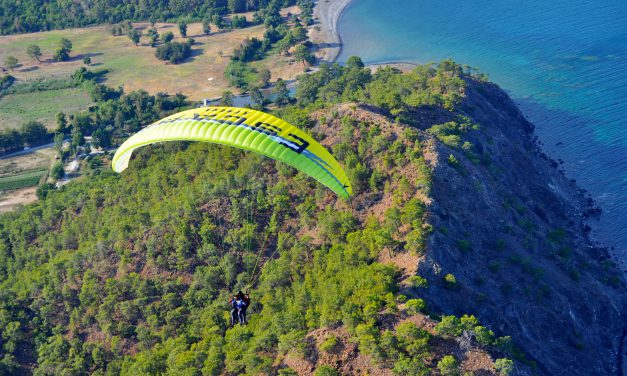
(132,67)
(136,67)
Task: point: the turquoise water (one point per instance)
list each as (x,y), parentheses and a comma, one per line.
(564,63)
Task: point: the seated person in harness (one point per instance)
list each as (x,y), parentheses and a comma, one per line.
(239,305)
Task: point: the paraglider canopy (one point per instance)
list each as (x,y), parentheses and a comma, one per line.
(246,129)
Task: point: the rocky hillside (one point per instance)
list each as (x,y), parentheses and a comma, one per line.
(510,227)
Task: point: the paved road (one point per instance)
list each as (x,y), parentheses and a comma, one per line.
(22,152)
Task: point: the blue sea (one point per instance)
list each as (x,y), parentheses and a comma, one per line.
(563,61)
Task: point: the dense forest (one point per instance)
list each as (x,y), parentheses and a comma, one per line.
(130,274)
(40,15)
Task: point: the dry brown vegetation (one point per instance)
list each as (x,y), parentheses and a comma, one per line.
(11,200)
(35,160)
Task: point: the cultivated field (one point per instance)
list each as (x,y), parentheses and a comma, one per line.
(40,159)
(23,180)
(20,175)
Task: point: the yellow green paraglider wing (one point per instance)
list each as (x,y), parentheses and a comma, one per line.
(247,129)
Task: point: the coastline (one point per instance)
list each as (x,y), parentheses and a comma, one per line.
(324,33)
(326,36)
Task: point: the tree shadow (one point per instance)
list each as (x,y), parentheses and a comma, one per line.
(29,69)
(193,55)
(83,56)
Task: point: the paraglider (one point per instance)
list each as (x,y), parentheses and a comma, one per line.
(246,129)
(250,130)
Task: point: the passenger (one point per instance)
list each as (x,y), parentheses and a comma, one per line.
(244,307)
(246,300)
(241,310)
(234,311)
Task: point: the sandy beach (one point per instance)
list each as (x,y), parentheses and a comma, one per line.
(324,33)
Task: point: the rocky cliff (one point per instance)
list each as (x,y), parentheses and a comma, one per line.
(511,229)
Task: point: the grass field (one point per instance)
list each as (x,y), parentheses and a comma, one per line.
(136,67)
(17,109)
(23,180)
(132,67)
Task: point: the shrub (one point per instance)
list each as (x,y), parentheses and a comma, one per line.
(415,305)
(167,37)
(450,280)
(417,281)
(453,161)
(412,339)
(469,322)
(504,366)
(238,22)
(325,370)
(409,366)
(494,266)
(57,171)
(448,366)
(505,343)
(556,236)
(499,245)
(292,341)
(449,325)
(484,336)
(329,344)
(11,62)
(464,245)
(174,52)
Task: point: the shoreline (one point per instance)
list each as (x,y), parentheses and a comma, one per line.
(326,36)
(324,32)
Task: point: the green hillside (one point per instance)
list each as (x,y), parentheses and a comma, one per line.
(130,274)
